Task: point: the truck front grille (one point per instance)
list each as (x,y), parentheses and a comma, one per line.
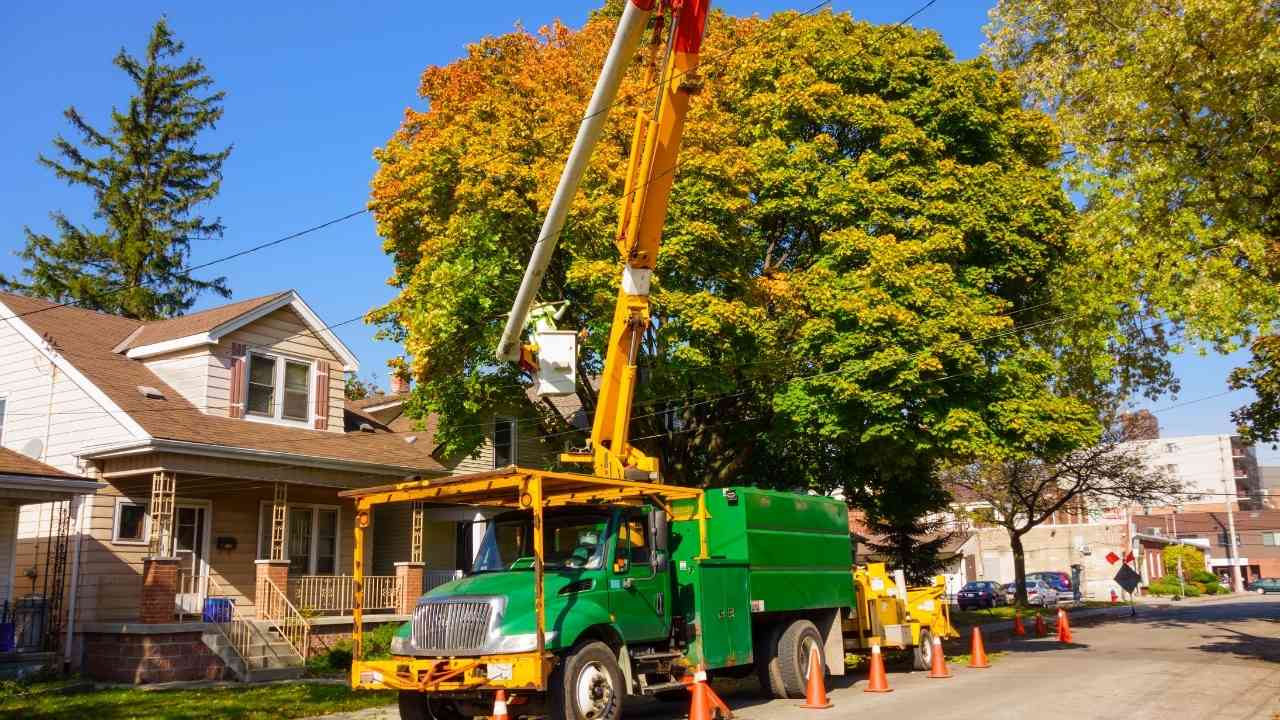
(455,625)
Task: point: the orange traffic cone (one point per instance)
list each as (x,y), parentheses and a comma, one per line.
(1040,628)
(938,661)
(706,704)
(1018,629)
(1064,627)
(500,705)
(978,653)
(815,691)
(700,707)
(877,681)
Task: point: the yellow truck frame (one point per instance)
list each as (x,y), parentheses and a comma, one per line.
(510,488)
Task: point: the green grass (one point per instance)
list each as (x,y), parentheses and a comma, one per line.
(263,702)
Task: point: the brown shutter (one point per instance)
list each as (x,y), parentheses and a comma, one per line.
(322,395)
(237,380)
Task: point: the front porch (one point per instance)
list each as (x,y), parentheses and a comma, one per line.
(259,571)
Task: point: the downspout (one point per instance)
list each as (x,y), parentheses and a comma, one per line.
(79,503)
(48,418)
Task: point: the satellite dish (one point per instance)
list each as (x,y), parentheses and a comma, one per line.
(33,448)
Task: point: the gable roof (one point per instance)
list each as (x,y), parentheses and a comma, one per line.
(86,340)
(198,322)
(209,326)
(15,463)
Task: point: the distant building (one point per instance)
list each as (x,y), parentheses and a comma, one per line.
(1270,477)
(1214,470)
(1257,538)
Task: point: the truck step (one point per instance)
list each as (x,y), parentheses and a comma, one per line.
(657,656)
(662,687)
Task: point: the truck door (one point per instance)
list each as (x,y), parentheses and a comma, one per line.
(638,592)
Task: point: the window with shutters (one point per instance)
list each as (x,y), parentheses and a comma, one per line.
(278,388)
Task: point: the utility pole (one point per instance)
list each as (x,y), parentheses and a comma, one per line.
(1236,584)
(1182,583)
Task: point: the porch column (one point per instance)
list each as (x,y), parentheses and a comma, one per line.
(415,538)
(276,567)
(277,571)
(159,589)
(160,567)
(408,586)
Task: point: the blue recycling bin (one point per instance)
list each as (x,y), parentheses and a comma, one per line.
(217,610)
(7,639)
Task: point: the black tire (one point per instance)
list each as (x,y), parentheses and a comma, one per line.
(414,706)
(792,658)
(922,653)
(766,661)
(587,685)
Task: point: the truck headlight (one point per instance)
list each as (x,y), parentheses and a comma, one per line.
(526,642)
(401,645)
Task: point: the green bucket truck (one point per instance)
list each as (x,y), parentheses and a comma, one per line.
(627,590)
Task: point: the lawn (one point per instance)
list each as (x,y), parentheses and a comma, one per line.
(969,618)
(263,702)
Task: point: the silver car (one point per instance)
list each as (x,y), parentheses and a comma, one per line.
(1038,593)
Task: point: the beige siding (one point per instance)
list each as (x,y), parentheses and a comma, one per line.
(392,526)
(141,467)
(283,331)
(8,539)
(32,384)
(531,450)
(185,372)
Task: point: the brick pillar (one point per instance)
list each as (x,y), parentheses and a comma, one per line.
(277,571)
(409,577)
(159,589)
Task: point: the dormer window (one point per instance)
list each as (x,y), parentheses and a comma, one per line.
(279,388)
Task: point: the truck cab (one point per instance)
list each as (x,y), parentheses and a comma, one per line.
(605,575)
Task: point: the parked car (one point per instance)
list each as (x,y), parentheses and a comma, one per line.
(1059,581)
(980,594)
(1039,593)
(1264,585)
(1009,595)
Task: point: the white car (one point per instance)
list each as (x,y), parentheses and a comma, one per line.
(1039,593)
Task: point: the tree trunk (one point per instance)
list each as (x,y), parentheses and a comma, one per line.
(1019,570)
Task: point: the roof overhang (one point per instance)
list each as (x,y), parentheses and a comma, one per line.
(290,299)
(141,447)
(40,488)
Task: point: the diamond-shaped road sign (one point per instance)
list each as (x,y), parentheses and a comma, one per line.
(1128,578)
(1112,558)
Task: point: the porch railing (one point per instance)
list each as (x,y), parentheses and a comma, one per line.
(336,593)
(284,618)
(243,634)
(433,579)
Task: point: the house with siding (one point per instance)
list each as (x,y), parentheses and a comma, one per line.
(221,440)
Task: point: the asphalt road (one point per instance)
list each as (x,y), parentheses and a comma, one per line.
(1216,659)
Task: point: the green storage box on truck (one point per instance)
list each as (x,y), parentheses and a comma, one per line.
(638,585)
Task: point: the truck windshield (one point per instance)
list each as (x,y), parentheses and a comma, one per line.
(572,541)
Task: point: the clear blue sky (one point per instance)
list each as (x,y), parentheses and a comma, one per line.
(312,89)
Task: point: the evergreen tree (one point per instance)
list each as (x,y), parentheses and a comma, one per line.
(148,179)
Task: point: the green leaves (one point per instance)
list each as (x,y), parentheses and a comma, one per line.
(862,241)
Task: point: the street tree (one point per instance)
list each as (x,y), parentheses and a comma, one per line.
(1169,112)
(856,269)
(149,179)
(1025,490)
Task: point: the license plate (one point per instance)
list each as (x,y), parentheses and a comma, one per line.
(499,671)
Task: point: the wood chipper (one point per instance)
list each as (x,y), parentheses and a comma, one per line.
(897,616)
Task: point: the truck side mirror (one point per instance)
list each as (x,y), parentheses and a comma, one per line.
(658,534)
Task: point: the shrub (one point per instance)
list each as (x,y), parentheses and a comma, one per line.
(1204,576)
(1192,560)
(377,646)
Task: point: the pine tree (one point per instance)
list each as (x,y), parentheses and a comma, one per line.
(148,180)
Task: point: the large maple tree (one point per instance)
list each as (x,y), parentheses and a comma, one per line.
(856,266)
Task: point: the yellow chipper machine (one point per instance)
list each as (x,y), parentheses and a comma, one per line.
(892,615)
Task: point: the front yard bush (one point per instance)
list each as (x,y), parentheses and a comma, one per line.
(377,646)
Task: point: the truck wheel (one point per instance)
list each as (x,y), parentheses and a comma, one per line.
(587,685)
(922,654)
(789,666)
(414,706)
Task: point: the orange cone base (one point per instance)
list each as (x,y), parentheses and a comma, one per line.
(807,706)
(815,691)
(938,667)
(1018,629)
(978,651)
